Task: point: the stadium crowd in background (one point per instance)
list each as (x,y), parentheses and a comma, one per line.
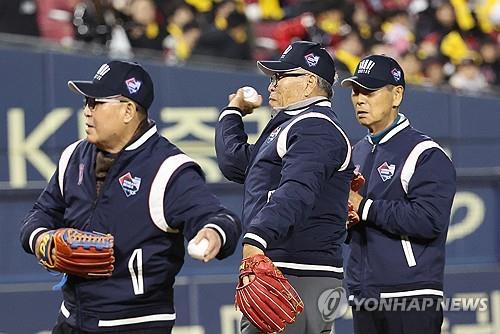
(438,42)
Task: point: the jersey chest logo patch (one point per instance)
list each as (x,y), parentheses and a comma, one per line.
(386,171)
(130,185)
(273,135)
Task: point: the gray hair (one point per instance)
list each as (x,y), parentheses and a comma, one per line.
(327,87)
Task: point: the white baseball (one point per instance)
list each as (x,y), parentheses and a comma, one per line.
(197,251)
(250,94)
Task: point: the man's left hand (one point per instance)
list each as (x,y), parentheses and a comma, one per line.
(214,242)
(249,251)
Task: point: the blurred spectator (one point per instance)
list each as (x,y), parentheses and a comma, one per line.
(381,6)
(180,15)
(55,20)
(398,34)
(438,20)
(348,53)
(201,6)
(412,68)
(429,46)
(183,33)
(229,43)
(264,10)
(183,14)
(488,15)
(179,49)
(363,22)
(330,25)
(222,12)
(18,17)
(468,78)
(324,24)
(93,21)
(143,30)
(434,75)
(454,47)
(490,67)
(464,18)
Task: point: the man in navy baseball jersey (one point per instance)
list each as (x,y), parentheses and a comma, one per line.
(296,177)
(396,264)
(126,180)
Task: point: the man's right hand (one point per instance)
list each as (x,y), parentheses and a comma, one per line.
(352,216)
(355,199)
(38,251)
(237,101)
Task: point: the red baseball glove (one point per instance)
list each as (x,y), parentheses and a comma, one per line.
(76,252)
(269,302)
(352,216)
(357,181)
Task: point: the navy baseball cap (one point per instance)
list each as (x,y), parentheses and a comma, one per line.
(118,78)
(302,54)
(375,72)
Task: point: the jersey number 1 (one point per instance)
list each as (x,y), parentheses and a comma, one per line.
(137,279)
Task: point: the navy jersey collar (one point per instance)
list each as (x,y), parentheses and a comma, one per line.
(399,124)
(142,139)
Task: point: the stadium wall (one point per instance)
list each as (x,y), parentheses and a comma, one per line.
(39,116)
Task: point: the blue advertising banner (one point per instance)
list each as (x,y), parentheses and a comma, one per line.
(39,116)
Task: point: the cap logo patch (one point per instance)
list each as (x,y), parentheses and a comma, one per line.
(311,59)
(286,51)
(101,71)
(365,67)
(396,74)
(133,85)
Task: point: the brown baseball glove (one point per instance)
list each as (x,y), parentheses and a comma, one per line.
(76,252)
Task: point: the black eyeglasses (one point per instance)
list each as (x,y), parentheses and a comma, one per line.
(273,80)
(92,102)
